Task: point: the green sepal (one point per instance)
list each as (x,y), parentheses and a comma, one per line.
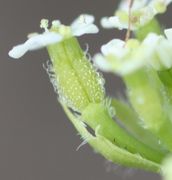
(166,77)
(78,83)
(109,150)
(149,99)
(130,120)
(98,116)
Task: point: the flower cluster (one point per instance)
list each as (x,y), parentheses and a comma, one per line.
(137,133)
(125,57)
(142,11)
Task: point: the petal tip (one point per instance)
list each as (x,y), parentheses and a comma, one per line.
(17,52)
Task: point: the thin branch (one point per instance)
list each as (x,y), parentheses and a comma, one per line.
(130,2)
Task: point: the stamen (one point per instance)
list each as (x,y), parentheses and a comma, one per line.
(84,24)
(82,19)
(44,24)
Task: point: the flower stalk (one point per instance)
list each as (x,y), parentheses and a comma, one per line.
(98,118)
(109,150)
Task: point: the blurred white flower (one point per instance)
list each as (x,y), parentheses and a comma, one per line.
(125,57)
(142,11)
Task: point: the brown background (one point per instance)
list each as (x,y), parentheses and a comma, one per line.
(37,142)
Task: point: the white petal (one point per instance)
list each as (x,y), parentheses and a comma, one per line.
(110,22)
(152,39)
(167,2)
(34,43)
(101,62)
(113,22)
(84,18)
(105,22)
(85,29)
(43,40)
(164,53)
(18,51)
(84,25)
(168,33)
(159,49)
(131,65)
(114,47)
(137,4)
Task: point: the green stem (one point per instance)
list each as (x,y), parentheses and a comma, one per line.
(149,99)
(166,78)
(132,123)
(97,117)
(109,150)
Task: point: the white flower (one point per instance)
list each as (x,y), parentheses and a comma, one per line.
(160,50)
(119,57)
(125,57)
(82,25)
(142,12)
(114,47)
(34,43)
(102,63)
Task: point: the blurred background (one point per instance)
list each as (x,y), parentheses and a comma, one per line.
(37,141)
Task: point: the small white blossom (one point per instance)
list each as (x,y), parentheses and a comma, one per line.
(114,47)
(142,12)
(119,57)
(160,50)
(125,57)
(82,25)
(102,63)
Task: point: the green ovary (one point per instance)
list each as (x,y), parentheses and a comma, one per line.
(78,82)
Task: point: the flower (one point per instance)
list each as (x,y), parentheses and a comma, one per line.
(142,12)
(71,73)
(119,57)
(125,57)
(82,25)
